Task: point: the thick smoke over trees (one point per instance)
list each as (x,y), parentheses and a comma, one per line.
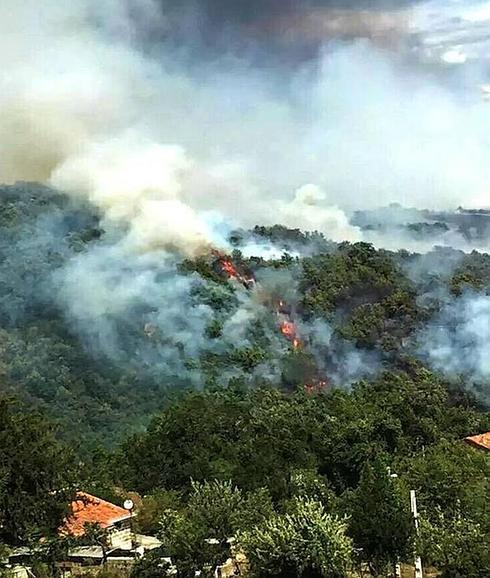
(164,130)
(457,341)
(76,89)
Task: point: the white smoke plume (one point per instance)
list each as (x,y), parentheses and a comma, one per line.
(154,143)
(458,341)
(134,309)
(308,211)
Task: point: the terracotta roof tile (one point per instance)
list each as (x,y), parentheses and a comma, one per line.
(481,441)
(88,509)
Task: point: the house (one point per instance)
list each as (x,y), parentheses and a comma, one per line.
(87,509)
(480,441)
(121,547)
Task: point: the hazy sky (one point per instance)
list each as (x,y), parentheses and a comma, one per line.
(447,31)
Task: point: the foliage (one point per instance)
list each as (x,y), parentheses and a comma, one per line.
(472,273)
(354,273)
(380,520)
(372,299)
(249,451)
(47,552)
(36,476)
(254,438)
(449,478)
(43,362)
(151,565)
(4,552)
(458,546)
(259,438)
(197,534)
(308,484)
(95,535)
(305,541)
(152,506)
(364,288)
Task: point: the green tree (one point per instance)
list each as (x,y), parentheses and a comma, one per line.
(4,551)
(450,477)
(309,484)
(458,547)
(48,552)
(96,535)
(36,476)
(153,564)
(253,438)
(305,541)
(197,535)
(380,520)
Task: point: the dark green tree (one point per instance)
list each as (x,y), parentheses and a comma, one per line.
(459,547)
(154,564)
(197,535)
(36,476)
(380,521)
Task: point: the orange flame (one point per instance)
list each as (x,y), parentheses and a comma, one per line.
(229,268)
(316,386)
(288,329)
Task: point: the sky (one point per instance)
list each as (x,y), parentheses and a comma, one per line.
(451,31)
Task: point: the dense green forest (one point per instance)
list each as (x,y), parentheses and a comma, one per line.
(300,444)
(304,483)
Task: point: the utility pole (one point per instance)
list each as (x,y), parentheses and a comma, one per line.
(413,507)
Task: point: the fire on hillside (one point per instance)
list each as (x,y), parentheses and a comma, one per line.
(284,312)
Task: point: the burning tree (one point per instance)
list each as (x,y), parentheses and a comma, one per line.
(287,326)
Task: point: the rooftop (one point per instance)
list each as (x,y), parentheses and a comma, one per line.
(88,509)
(480,441)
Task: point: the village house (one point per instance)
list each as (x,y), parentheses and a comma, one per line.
(120,547)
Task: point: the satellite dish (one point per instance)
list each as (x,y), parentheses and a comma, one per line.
(128,504)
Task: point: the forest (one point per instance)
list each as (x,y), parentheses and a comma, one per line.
(287,392)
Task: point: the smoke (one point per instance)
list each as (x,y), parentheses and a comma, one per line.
(138,183)
(337,361)
(395,227)
(457,343)
(40,231)
(308,212)
(135,310)
(340,361)
(100,100)
(154,143)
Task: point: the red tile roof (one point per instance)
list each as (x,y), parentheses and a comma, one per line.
(481,441)
(87,509)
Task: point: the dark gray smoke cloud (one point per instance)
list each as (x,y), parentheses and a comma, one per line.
(293,27)
(246,11)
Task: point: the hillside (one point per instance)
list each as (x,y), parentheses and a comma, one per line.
(101,373)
